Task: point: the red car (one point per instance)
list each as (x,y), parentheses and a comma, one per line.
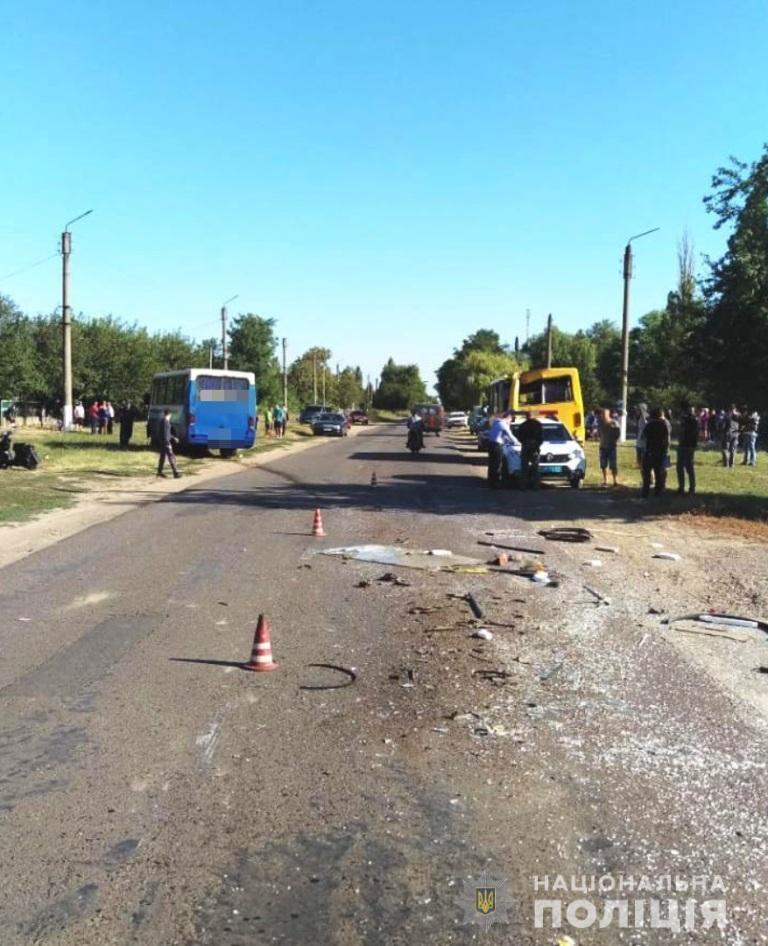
(358,417)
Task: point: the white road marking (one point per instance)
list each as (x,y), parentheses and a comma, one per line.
(207,742)
(84,601)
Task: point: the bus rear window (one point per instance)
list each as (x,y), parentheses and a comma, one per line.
(547,391)
(210,388)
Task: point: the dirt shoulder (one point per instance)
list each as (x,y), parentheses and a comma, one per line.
(107,500)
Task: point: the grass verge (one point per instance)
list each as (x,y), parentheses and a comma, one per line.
(77,463)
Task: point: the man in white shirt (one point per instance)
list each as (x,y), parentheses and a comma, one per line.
(499,435)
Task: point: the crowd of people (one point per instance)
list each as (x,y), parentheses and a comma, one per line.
(727,430)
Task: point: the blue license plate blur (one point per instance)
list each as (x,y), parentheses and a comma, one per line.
(548,468)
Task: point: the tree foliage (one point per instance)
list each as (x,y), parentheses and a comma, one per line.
(736,330)
(252,348)
(463,379)
(400,387)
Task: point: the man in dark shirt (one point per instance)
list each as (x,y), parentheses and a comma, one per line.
(656,453)
(167,440)
(686,449)
(531,436)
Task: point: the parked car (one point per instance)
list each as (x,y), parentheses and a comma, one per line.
(331,424)
(358,417)
(456,419)
(481,432)
(309,412)
(561,457)
(476,417)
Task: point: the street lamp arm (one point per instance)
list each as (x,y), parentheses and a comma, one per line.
(68,225)
(644,233)
(237,296)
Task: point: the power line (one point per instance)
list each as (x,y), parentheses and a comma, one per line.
(25,269)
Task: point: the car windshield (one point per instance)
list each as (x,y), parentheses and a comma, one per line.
(330,418)
(553,433)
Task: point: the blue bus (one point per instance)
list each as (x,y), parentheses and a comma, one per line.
(210,408)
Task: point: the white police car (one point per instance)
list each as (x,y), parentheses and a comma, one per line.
(561,457)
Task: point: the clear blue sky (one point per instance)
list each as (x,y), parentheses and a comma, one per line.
(381,177)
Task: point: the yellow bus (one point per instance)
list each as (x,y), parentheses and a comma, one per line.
(546,392)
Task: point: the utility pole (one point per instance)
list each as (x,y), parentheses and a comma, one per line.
(210,353)
(285,376)
(314,377)
(625,333)
(527,325)
(224,331)
(324,371)
(66,322)
(549,340)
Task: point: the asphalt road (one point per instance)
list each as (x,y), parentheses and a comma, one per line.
(153,792)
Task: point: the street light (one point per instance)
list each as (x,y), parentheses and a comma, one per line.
(66,321)
(224,330)
(625,330)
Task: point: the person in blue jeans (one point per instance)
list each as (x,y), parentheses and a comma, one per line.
(686,449)
(750,424)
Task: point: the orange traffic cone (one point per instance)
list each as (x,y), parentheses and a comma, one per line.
(261,653)
(374,481)
(317,525)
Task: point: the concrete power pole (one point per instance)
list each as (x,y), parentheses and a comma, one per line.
(314,378)
(285,375)
(66,322)
(224,351)
(224,336)
(549,340)
(625,333)
(527,325)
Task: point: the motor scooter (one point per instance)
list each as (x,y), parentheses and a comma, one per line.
(415,440)
(17,454)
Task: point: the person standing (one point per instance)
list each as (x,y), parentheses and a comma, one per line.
(78,414)
(642,420)
(278,414)
(730,436)
(93,417)
(531,436)
(750,423)
(110,417)
(268,421)
(499,435)
(686,449)
(656,454)
(610,431)
(126,418)
(167,440)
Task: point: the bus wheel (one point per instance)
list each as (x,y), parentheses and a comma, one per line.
(227,453)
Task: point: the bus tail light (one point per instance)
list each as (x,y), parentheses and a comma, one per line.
(191,419)
(577,419)
(251,423)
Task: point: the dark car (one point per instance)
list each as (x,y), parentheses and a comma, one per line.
(358,417)
(331,424)
(309,412)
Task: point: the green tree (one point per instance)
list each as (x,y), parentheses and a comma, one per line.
(252,348)
(400,386)
(736,332)
(307,370)
(19,377)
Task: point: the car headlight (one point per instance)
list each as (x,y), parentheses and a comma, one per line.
(577,454)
